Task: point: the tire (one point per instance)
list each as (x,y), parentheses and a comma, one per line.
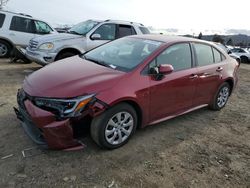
(244,59)
(65,55)
(221,97)
(108,132)
(5,49)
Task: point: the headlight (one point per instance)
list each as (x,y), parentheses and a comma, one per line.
(64,107)
(46,46)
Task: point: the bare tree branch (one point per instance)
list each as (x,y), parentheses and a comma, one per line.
(3,3)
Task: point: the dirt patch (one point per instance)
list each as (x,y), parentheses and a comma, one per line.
(200,149)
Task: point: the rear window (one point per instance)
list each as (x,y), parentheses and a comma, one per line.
(2,17)
(144,30)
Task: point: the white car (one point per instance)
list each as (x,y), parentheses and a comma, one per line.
(18,29)
(79,39)
(242,53)
(228,50)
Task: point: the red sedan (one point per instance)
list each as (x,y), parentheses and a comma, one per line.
(123,85)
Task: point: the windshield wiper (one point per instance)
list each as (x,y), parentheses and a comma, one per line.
(97,62)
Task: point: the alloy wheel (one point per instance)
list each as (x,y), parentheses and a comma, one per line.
(119,128)
(223,96)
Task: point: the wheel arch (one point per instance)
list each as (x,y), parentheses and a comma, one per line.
(7,41)
(230,81)
(73,50)
(136,106)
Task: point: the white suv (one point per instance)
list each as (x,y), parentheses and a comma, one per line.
(79,39)
(17,30)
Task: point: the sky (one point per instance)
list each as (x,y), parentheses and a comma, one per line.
(188,16)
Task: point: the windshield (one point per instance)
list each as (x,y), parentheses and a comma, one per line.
(123,54)
(83,28)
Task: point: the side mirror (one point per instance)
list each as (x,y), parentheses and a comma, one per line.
(96,36)
(165,69)
(229,52)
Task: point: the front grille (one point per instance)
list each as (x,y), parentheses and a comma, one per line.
(33,44)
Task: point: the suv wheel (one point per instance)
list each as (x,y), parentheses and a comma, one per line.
(5,49)
(221,97)
(114,127)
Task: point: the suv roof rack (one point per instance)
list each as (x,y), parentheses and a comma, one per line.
(27,15)
(125,22)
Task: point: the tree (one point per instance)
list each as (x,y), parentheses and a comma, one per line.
(200,35)
(218,38)
(230,42)
(3,3)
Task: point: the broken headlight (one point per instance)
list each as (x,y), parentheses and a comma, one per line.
(63,107)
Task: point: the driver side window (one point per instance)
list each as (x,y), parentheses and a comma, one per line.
(42,28)
(106,31)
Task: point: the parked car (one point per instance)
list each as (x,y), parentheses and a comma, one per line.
(79,39)
(126,84)
(17,29)
(227,50)
(244,54)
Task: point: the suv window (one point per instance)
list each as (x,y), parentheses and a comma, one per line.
(125,30)
(144,30)
(178,55)
(107,31)
(22,24)
(204,54)
(2,17)
(42,28)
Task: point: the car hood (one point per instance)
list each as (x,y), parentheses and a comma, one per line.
(71,77)
(56,37)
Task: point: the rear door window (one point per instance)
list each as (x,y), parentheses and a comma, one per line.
(204,54)
(217,56)
(125,30)
(22,24)
(178,55)
(2,18)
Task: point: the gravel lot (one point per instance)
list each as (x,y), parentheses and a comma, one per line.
(200,149)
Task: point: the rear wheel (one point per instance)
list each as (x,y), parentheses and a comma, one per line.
(5,49)
(65,55)
(221,97)
(114,127)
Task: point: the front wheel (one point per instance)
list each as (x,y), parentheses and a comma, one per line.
(114,127)
(222,96)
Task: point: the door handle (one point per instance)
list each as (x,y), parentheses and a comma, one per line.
(12,34)
(193,76)
(219,69)
(204,75)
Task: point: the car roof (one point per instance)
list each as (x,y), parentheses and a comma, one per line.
(168,38)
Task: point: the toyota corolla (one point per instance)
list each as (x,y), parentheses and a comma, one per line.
(126,84)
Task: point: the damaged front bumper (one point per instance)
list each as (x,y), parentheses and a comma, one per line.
(46,130)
